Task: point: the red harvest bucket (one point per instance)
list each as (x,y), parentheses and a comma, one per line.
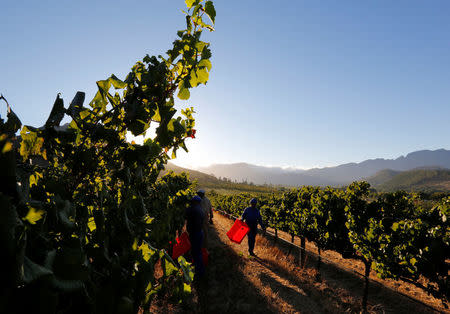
(238,232)
(205,255)
(181,246)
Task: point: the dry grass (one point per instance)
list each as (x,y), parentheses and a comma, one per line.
(344,266)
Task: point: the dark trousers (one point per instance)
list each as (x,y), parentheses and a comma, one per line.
(196,239)
(251,239)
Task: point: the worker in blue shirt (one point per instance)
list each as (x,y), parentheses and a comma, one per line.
(194,226)
(252,217)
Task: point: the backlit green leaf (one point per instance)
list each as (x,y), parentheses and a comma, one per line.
(7,147)
(203,76)
(34,215)
(184,93)
(118,84)
(189,3)
(205,63)
(104,86)
(91,224)
(210,10)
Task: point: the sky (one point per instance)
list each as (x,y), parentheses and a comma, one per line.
(294,83)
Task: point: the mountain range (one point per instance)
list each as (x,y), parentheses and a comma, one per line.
(334,176)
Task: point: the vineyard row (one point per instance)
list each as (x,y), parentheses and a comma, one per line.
(393,234)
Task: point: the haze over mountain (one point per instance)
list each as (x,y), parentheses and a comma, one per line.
(339,175)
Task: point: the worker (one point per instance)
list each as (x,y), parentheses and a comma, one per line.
(252,217)
(207,210)
(194,226)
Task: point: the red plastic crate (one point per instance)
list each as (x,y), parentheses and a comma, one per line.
(205,256)
(181,246)
(238,232)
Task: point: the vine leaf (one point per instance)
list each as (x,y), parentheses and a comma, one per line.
(184,93)
(13,123)
(57,113)
(34,215)
(210,10)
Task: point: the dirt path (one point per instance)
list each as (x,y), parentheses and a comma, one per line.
(237,283)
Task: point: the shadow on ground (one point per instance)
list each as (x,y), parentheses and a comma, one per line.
(238,284)
(225,289)
(382,298)
(296,298)
(271,284)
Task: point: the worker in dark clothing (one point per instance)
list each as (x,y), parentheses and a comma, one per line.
(207,210)
(252,217)
(194,226)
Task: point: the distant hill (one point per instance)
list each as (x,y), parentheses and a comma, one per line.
(266,175)
(382,176)
(339,175)
(412,180)
(210,182)
(204,178)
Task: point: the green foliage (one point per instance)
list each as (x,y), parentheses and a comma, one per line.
(85,217)
(395,234)
(327,219)
(363,221)
(303,210)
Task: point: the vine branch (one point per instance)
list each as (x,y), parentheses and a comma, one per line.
(7,104)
